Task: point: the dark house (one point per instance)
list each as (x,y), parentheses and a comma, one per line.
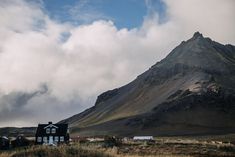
(20,141)
(52,134)
(4,143)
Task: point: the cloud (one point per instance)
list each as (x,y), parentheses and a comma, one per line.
(77,63)
(83,12)
(12,104)
(211,17)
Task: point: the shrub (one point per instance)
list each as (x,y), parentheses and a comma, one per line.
(111,142)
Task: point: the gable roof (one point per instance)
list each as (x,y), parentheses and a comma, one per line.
(50,126)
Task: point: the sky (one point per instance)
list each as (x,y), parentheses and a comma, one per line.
(57,56)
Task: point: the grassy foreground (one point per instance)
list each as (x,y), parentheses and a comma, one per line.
(126,150)
(49,151)
(73,151)
(215,146)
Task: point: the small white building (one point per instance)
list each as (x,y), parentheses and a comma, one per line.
(143,138)
(95,139)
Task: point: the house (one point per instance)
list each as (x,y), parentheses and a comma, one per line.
(4,143)
(20,141)
(143,138)
(52,134)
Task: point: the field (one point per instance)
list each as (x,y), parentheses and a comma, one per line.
(161,147)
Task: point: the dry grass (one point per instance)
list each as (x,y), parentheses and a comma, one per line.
(72,151)
(61,151)
(161,148)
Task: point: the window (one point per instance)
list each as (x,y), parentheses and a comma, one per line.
(61,138)
(39,139)
(45,139)
(56,139)
(53,130)
(48,130)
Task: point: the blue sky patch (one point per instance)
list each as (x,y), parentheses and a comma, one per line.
(124,13)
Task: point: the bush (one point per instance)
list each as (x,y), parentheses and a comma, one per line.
(111,142)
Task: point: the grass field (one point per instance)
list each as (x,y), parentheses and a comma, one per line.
(205,146)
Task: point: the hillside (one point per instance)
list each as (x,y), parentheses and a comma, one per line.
(191,91)
(14,131)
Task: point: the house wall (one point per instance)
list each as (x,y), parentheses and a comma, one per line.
(65,137)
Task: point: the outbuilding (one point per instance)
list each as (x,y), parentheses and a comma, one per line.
(20,141)
(143,138)
(4,143)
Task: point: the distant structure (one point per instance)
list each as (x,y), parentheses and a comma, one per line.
(143,138)
(20,141)
(4,143)
(52,134)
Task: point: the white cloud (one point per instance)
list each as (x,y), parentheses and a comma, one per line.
(83,12)
(213,18)
(95,57)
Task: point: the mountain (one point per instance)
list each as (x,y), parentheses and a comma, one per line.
(191,91)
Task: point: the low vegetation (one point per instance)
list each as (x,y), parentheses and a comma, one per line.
(160,147)
(49,151)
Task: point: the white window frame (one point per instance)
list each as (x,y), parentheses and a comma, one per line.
(61,138)
(56,138)
(53,130)
(48,130)
(39,139)
(45,139)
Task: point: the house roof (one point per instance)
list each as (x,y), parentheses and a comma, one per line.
(4,137)
(61,129)
(50,126)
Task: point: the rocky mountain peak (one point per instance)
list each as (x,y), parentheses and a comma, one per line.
(201,52)
(197,35)
(199,40)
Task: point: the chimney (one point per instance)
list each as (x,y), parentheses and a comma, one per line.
(49,122)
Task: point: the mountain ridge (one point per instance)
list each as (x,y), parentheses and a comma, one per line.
(190,73)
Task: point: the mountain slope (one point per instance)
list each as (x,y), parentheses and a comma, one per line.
(191,91)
